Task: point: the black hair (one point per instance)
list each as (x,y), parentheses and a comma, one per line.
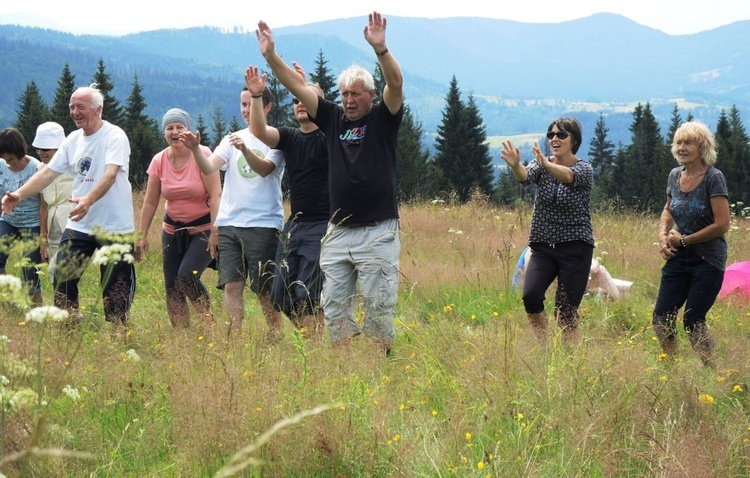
(572,126)
(13,142)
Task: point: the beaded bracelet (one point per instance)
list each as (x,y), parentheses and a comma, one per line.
(682,240)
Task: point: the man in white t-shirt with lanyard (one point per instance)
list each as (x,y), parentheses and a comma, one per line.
(250,215)
(97,154)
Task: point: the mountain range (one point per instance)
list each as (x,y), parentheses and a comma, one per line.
(522,75)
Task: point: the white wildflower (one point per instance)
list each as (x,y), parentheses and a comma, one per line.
(23,399)
(4,380)
(111,254)
(71,393)
(9,286)
(457,232)
(46,313)
(132,355)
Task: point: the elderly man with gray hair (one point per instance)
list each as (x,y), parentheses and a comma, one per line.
(97,154)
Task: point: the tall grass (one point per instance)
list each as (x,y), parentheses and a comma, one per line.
(468,391)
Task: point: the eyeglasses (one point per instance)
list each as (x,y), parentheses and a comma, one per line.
(560,134)
(295,101)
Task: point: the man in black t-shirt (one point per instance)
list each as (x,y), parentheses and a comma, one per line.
(298,279)
(362,245)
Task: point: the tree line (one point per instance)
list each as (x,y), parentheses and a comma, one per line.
(627,177)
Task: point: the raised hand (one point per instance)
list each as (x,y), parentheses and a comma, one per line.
(254,81)
(375,30)
(10,201)
(539,156)
(190,140)
(510,154)
(265,38)
(301,71)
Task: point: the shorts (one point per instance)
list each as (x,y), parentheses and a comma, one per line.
(247,252)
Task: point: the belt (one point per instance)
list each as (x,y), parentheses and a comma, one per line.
(355,224)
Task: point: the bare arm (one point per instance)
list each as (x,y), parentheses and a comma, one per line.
(283,72)
(563,174)
(150,204)
(193,143)
(84,203)
(512,157)
(256,83)
(40,180)
(666,223)
(393,93)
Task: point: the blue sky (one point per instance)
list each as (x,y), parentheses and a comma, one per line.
(676,17)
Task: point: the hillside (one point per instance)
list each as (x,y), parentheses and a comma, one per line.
(522,74)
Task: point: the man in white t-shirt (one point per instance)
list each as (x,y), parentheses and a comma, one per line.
(98,156)
(250,214)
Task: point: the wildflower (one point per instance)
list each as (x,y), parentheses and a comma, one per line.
(737,388)
(721,379)
(132,355)
(468,436)
(396,437)
(464,460)
(520,416)
(495,313)
(706,398)
(662,357)
(401,407)
(71,393)
(23,399)
(434,412)
(46,313)
(9,286)
(111,254)
(480,465)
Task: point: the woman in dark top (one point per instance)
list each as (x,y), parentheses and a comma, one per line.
(691,240)
(561,236)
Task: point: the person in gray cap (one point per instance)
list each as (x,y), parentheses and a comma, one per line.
(56,205)
(192,202)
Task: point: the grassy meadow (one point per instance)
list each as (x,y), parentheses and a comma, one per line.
(468,392)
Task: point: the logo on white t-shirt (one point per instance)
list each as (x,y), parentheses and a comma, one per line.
(245,170)
(83,166)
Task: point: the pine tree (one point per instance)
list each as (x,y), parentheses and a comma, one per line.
(200,127)
(675,122)
(281,113)
(60,110)
(738,179)
(32,111)
(481,170)
(449,142)
(112,110)
(414,179)
(219,128)
(322,77)
(601,156)
(648,163)
(234,125)
(143,133)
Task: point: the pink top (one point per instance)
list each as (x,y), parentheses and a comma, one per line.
(184,190)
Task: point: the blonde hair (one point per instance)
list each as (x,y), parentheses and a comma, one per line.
(698,132)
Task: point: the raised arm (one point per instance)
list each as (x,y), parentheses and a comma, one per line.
(393,93)
(512,157)
(40,180)
(283,72)
(193,143)
(256,83)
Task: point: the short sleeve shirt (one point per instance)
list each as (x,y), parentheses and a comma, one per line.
(691,211)
(562,212)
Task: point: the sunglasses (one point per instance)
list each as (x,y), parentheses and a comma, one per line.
(43,150)
(560,134)
(295,101)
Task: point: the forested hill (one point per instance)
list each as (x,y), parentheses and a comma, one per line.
(521,74)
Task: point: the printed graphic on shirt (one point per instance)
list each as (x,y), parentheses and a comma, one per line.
(83,166)
(354,135)
(245,170)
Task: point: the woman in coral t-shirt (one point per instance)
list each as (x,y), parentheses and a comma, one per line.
(188,238)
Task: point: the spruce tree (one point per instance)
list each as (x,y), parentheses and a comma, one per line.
(234,125)
(738,179)
(449,142)
(601,156)
(323,77)
(414,178)
(648,163)
(200,127)
(32,111)
(219,128)
(379,83)
(481,171)
(281,113)
(112,110)
(144,135)
(674,123)
(60,110)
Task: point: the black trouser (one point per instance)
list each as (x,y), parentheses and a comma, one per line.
(570,263)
